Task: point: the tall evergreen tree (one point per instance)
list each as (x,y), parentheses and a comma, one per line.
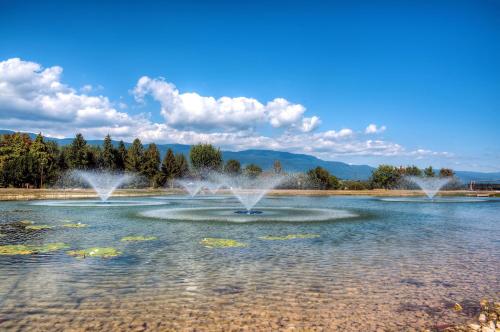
(182,165)
(135,157)
(78,153)
(121,156)
(151,164)
(41,157)
(169,167)
(108,154)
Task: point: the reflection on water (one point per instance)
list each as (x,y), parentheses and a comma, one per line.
(397,266)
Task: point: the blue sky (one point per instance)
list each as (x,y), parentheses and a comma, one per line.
(425,73)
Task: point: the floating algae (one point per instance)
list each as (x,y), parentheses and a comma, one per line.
(138,238)
(38,227)
(289,237)
(210,242)
(21,249)
(104,252)
(26,222)
(77,225)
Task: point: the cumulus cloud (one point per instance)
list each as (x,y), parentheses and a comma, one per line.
(189,110)
(373,129)
(33,98)
(31,94)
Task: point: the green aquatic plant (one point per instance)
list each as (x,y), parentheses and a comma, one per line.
(21,249)
(77,225)
(210,242)
(38,227)
(138,238)
(26,222)
(103,252)
(289,237)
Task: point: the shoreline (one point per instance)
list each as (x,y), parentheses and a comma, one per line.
(20,194)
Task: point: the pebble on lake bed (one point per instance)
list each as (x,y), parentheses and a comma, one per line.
(487,320)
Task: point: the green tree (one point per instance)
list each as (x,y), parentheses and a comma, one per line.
(412,171)
(277,167)
(78,153)
(320,178)
(109,154)
(120,156)
(41,157)
(446,172)
(204,157)
(253,170)
(151,165)
(135,157)
(169,167)
(385,176)
(182,165)
(429,172)
(232,167)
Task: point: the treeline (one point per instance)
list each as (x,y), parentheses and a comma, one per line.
(26,162)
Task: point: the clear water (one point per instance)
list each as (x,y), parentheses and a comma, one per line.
(398,266)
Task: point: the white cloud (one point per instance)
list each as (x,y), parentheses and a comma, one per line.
(190,110)
(309,124)
(373,129)
(33,98)
(34,95)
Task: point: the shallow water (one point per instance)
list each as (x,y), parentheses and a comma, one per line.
(399,266)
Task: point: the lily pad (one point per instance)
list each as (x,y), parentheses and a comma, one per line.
(21,249)
(26,222)
(289,237)
(138,238)
(38,227)
(211,242)
(77,225)
(104,252)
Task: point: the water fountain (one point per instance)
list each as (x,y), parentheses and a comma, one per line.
(103,183)
(250,190)
(193,187)
(429,185)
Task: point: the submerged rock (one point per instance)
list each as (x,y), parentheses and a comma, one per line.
(103,252)
(21,249)
(210,242)
(138,238)
(289,237)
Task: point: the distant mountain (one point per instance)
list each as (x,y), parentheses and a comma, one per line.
(291,162)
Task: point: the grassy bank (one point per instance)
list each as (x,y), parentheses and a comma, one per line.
(11,194)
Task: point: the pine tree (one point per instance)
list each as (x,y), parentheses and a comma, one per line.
(232,167)
(41,157)
(135,157)
(182,165)
(151,163)
(169,167)
(78,153)
(120,156)
(277,167)
(108,154)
